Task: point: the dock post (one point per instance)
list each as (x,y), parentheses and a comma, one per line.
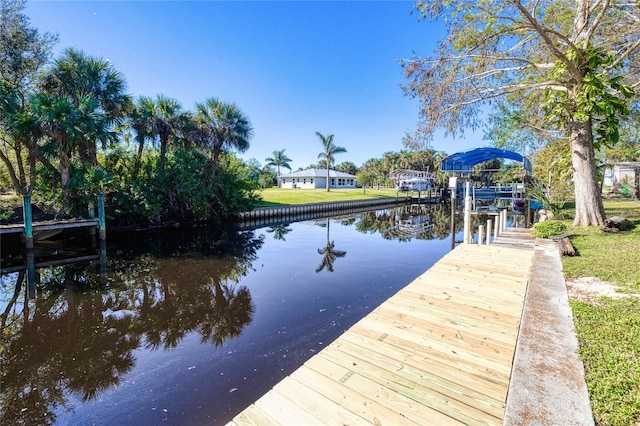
(452,227)
(28,221)
(489,227)
(467,216)
(496,225)
(480,234)
(102,228)
(91,211)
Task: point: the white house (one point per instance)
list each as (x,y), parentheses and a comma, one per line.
(317,178)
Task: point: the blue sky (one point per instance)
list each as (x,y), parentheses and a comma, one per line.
(293,67)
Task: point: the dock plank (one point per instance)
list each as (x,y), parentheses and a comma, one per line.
(444,397)
(439,351)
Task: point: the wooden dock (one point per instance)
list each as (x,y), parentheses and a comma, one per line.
(50,226)
(438,352)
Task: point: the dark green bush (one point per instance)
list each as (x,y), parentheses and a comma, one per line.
(548,228)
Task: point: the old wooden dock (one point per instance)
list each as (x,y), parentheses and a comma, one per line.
(439,351)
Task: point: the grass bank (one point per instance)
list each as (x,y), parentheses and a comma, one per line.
(608,331)
(287,196)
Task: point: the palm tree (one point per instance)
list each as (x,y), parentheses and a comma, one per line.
(66,124)
(156,120)
(77,76)
(81,100)
(278,160)
(223,126)
(19,131)
(329,150)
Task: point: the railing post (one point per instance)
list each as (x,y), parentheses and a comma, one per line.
(489,227)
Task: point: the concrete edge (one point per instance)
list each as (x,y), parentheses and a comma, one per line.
(547,384)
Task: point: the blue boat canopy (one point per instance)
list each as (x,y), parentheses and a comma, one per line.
(462,162)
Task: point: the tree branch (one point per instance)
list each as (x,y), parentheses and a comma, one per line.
(545,37)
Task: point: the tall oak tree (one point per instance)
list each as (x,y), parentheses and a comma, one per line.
(570,64)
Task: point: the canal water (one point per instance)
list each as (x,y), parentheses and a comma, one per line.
(191,326)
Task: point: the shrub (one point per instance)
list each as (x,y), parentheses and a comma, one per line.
(548,228)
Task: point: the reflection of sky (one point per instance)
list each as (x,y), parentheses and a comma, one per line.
(298,312)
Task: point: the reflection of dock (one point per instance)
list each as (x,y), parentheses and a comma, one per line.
(411,220)
(49,263)
(440,351)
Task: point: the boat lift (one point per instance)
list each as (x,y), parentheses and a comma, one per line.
(412,180)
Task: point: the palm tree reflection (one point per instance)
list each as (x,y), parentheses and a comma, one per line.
(279,231)
(329,253)
(77,336)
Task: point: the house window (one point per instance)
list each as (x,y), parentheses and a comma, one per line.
(311,180)
(304,180)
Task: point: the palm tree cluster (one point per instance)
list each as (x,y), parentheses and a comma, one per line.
(62,120)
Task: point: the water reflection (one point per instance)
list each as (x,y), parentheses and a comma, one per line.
(239,307)
(420,221)
(279,231)
(329,253)
(90,329)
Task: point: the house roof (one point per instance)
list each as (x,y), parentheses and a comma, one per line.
(627,165)
(318,173)
(463,161)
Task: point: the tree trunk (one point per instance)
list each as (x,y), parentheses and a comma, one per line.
(64,181)
(589,207)
(12,174)
(328,182)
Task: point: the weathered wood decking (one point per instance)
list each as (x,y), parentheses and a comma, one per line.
(439,351)
(50,225)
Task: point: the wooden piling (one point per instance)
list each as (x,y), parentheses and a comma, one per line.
(467,221)
(102,228)
(28,221)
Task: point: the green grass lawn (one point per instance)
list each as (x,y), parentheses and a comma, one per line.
(609,332)
(287,196)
